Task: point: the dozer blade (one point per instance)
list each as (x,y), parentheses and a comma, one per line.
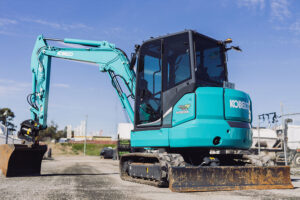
(191,179)
(21,160)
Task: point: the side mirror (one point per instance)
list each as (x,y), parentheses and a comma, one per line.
(132,61)
(133,56)
(237,48)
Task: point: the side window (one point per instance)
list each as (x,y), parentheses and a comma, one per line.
(182,67)
(148,100)
(153,73)
(210,68)
(177,60)
(212,63)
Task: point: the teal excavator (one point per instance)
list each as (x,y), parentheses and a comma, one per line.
(188,119)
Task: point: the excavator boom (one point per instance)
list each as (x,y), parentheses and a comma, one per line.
(20,160)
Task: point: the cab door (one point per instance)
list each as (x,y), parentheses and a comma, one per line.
(149,86)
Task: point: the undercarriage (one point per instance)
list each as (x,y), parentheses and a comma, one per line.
(215,172)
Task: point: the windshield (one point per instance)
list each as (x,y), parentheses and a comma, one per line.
(210,65)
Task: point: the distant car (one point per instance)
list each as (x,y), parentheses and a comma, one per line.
(108,153)
(63,140)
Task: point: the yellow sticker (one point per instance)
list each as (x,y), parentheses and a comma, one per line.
(147,170)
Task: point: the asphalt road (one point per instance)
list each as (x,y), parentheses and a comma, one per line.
(81,177)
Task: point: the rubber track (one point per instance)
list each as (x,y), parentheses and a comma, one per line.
(166,161)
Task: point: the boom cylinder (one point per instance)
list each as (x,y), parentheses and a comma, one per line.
(83,42)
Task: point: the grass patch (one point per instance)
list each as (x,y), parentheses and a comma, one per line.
(121,153)
(91,149)
(125,142)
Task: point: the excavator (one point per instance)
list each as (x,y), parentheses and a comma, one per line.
(187,116)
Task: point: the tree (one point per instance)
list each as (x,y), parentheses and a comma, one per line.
(61,134)
(49,132)
(6,118)
(52,132)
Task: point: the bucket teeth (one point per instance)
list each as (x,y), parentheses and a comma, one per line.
(189,179)
(21,160)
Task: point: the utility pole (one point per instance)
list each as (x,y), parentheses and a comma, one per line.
(5,125)
(285,138)
(84,148)
(258,131)
(283,134)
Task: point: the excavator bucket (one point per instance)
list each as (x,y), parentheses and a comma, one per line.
(21,160)
(192,179)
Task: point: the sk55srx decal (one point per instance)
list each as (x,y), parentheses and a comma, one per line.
(183,109)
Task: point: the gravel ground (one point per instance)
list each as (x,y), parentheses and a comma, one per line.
(78,177)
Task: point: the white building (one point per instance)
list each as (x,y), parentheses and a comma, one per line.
(124,130)
(96,133)
(69,131)
(80,130)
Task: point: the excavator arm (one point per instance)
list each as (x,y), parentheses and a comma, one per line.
(110,59)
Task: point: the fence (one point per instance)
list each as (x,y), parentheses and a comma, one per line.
(94,142)
(10,139)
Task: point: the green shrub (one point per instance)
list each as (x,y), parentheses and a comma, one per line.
(91,149)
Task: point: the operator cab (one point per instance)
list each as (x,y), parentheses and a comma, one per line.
(170,67)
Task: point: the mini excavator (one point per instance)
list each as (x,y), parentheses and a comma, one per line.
(186,114)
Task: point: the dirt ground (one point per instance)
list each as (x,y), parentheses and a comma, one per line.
(79,177)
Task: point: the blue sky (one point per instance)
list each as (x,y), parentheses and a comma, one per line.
(268,69)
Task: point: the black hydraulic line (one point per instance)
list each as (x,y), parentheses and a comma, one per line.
(123,53)
(115,83)
(37,55)
(29,100)
(117,86)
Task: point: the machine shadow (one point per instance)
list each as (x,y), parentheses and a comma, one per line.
(80,174)
(295,179)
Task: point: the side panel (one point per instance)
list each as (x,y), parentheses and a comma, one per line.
(209,103)
(237,105)
(184,109)
(150,138)
(209,125)
(202,132)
